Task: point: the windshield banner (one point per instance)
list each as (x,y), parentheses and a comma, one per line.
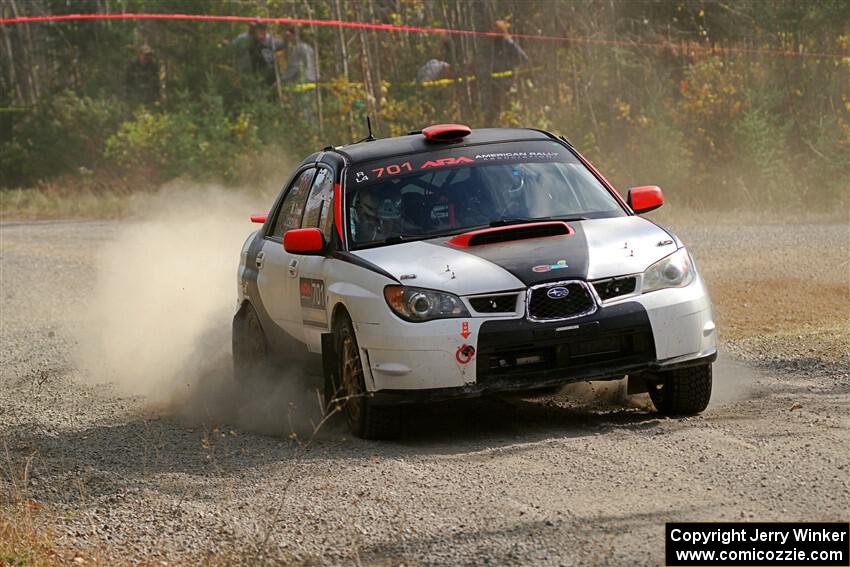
(505,153)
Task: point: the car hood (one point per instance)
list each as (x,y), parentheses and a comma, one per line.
(598,248)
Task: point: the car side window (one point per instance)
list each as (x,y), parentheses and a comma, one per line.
(319,205)
(292,209)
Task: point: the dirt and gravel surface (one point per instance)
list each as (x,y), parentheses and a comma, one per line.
(557,481)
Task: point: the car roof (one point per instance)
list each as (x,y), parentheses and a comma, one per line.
(415,142)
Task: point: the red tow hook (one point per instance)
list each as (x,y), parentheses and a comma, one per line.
(464,354)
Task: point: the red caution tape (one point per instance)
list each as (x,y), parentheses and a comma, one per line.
(415,29)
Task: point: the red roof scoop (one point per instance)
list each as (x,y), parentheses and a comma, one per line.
(446,132)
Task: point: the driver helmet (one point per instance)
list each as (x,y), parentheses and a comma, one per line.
(517,179)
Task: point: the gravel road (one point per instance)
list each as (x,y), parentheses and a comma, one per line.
(555,481)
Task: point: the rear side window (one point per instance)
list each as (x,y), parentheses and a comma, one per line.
(292,209)
(319,205)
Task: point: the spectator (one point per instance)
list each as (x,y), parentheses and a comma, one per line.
(507,55)
(142,77)
(302,60)
(433,70)
(254,52)
(301,69)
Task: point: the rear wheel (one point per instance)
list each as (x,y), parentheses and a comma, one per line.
(251,354)
(685,391)
(365,418)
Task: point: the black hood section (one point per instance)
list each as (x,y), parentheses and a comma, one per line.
(537,260)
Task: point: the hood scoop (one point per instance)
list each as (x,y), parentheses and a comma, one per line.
(510,233)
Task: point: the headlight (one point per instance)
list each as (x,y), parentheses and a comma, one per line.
(417,305)
(676,270)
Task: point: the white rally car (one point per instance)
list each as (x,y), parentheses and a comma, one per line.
(453,262)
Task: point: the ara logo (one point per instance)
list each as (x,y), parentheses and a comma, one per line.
(558,293)
(447,161)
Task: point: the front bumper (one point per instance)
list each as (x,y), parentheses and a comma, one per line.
(519,384)
(643,333)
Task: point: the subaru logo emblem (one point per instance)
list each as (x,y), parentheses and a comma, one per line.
(558,293)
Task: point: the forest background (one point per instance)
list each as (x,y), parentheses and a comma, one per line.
(723,104)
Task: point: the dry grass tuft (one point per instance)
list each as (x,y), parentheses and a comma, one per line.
(22,541)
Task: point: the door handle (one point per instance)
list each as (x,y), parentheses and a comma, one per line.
(293,268)
(261,257)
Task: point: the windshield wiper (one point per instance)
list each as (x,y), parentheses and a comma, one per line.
(512,221)
(568,219)
(398,239)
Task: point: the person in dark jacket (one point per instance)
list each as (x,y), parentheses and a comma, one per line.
(507,54)
(506,57)
(142,77)
(254,52)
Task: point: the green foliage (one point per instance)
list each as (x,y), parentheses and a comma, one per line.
(198,139)
(762,158)
(711,127)
(64,134)
(660,136)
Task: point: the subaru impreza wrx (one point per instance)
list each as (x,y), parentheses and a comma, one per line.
(453,262)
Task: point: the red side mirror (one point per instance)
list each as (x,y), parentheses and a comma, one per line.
(307,241)
(645,198)
(258,219)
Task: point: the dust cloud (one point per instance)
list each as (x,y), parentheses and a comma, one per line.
(157,320)
(599,394)
(732,381)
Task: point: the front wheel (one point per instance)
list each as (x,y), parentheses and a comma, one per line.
(684,391)
(365,418)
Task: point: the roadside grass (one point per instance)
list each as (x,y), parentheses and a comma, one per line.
(52,202)
(107,193)
(22,541)
(25,538)
(673,215)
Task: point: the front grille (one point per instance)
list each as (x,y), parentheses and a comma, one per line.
(494,303)
(615,287)
(549,302)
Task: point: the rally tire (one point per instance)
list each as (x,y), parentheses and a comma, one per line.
(366,419)
(685,391)
(251,353)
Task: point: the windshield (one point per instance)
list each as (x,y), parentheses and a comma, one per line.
(446,192)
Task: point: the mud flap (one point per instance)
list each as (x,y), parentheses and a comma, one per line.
(330,366)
